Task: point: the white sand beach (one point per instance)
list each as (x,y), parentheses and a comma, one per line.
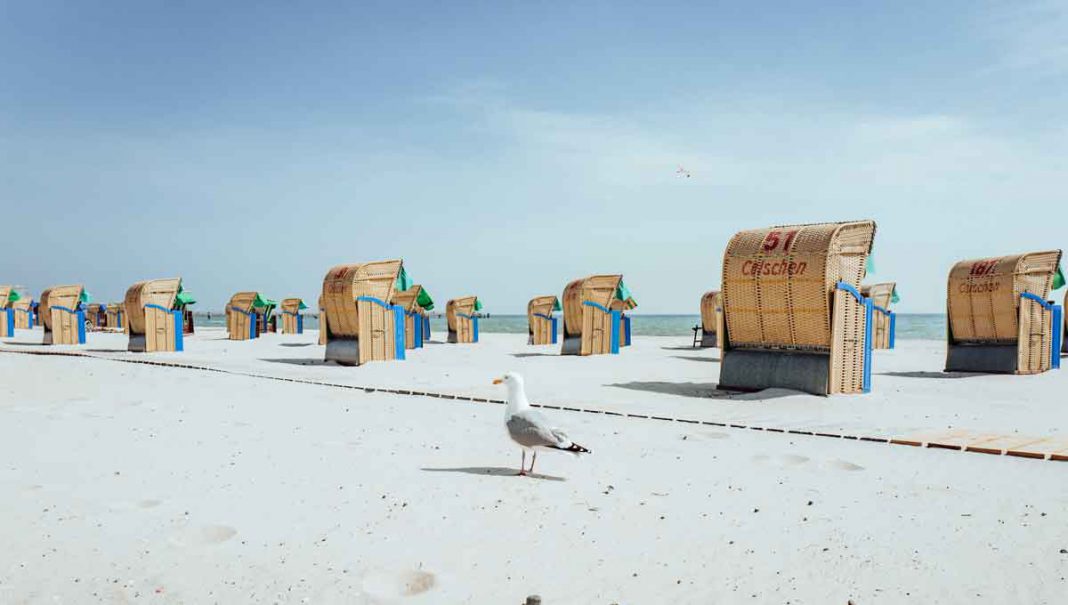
(129,482)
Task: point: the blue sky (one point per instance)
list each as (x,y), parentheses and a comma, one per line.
(503,149)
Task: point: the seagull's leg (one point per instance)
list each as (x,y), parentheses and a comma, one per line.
(532,461)
(523,464)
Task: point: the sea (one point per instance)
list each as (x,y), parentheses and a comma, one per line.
(912,326)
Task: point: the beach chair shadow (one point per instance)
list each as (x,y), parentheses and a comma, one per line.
(301,361)
(492,471)
(696,358)
(703,390)
(522,355)
(297,344)
(939,375)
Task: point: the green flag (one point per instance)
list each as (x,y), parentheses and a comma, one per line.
(478,304)
(894,298)
(1058,279)
(869,265)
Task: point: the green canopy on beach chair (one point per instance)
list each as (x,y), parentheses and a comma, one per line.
(424,300)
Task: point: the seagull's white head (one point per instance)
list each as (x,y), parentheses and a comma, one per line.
(517,397)
(510,380)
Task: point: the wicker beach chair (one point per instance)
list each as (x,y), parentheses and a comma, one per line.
(793,313)
(415,302)
(249,315)
(461,319)
(7,311)
(155,315)
(884,321)
(541,325)
(62,313)
(591,325)
(361,322)
(292,320)
(711,320)
(999,318)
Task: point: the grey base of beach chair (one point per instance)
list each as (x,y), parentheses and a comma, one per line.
(756,370)
(138,343)
(708,340)
(983,358)
(47,340)
(572,345)
(344,351)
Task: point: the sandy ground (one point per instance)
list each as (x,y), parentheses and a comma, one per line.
(127,483)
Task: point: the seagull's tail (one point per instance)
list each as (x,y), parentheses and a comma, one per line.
(574,448)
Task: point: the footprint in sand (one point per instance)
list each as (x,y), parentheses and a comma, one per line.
(383,584)
(216,534)
(781,460)
(844,465)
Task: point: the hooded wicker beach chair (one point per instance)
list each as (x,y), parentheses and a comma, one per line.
(116,316)
(155,315)
(23,306)
(591,325)
(793,313)
(8,297)
(96,316)
(361,322)
(415,302)
(883,320)
(249,315)
(999,318)
(541,324)
(292,320)
(62,313)
(711,319)
(461,319)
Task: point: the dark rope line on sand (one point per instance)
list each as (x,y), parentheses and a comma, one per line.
(453,396)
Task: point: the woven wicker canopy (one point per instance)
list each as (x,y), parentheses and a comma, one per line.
(58,296)
(984,294)
(160,292)
(778,283)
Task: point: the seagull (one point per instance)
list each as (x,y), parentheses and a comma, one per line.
(682,172)
(529,428)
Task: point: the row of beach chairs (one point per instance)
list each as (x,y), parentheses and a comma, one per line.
(792,312)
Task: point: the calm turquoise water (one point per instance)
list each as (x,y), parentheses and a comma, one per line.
(909,326)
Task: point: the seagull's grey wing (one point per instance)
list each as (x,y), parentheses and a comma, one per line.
(530,429)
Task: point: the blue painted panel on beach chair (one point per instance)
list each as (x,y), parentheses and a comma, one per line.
(626,330)
(474,328)
(398,330)
(555,323)
(417,325)
(9,321)
(1058,328)
(179,341)
(615,332)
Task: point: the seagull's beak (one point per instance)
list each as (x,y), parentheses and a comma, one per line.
(498,380)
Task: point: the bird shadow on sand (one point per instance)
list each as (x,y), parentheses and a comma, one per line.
(695,358)
(702,390)
(522,355)
(921,374)
(493,471)
(303,361)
